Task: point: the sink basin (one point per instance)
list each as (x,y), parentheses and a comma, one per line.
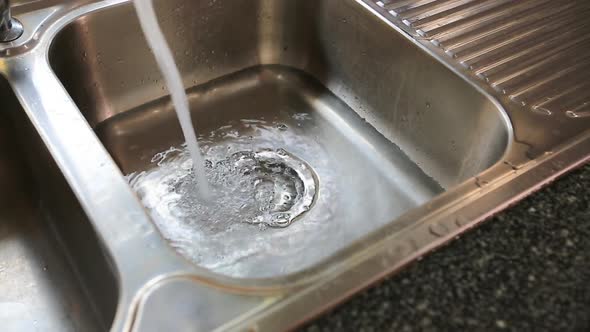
(384,126)
(53,273)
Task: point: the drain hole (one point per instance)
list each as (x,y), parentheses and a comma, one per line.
(267,187)
(285,186)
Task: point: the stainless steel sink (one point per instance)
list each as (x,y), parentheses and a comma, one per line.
(425,130)
(408,150)
(54,274)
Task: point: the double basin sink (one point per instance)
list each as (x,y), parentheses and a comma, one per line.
(407,151)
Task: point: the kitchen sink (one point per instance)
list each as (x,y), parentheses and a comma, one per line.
(54,274)
(385,127)
(386,146)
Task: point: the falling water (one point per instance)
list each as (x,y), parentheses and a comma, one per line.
(165,60)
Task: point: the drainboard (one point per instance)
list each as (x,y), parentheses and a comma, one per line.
(339,147)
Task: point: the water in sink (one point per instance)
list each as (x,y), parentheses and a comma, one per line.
(254,184)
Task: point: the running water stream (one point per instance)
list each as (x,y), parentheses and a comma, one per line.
(165,60)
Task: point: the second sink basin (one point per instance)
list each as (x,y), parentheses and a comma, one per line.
(384,127)
(54,274)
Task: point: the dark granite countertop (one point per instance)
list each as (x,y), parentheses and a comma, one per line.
(527,269)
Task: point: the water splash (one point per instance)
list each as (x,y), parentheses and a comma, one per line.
(266,187)
(249,192)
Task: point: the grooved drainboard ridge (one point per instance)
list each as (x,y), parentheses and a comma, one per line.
(536,52)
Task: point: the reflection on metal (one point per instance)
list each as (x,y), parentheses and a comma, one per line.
(439,79)
(537,52)
(10,28)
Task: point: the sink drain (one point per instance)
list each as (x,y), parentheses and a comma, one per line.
(285,185)
(265,187)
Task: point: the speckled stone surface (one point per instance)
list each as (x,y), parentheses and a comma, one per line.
(527,269)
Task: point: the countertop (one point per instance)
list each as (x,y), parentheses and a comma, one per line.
(526,269)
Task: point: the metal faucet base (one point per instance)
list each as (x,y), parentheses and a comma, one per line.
(14,32)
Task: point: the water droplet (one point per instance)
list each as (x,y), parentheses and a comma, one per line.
(438,229)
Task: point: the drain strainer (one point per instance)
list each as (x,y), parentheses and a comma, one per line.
(285,185)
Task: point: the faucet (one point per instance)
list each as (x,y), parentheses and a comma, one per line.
(10,28)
